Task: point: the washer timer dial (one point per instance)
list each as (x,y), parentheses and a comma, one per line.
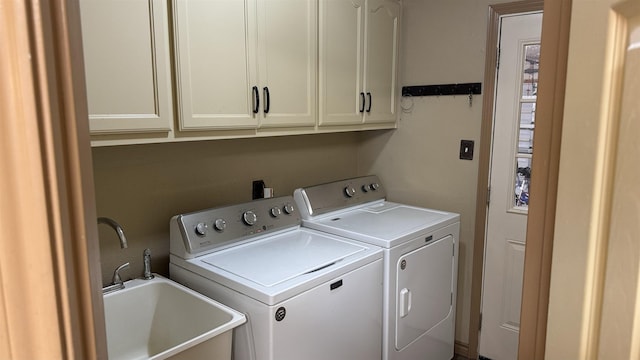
(220,224)
(201,229)
(249,217)
(289,209)
(275,211)
(350,191)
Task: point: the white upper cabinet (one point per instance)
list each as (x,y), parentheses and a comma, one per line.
(238,68)
(127,66)
(381,61)
(287,57)
(358,61)
(342,97)
(245,63)
(215,60)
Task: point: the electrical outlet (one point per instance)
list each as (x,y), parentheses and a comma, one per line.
(466,149)
(257,191)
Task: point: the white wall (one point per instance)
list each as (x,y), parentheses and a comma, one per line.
(443,42)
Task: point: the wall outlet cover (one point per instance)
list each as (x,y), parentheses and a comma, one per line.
(466,149)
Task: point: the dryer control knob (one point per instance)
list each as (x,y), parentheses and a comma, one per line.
(249,218)
(289,209)
(350,191)
(275,211)
(366,187)
(220,224)
(201,229)
(374,186)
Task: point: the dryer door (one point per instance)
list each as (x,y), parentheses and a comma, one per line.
(423,289)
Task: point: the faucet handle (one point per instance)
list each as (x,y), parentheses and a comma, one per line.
(116,274)
(146,256)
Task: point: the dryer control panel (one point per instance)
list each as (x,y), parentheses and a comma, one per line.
(324,198)
(211,229)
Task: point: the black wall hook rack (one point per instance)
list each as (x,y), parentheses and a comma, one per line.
(441,90)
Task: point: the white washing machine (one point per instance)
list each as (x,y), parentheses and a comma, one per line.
(420,260)
(306,294)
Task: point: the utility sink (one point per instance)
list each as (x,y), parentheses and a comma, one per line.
(160,319)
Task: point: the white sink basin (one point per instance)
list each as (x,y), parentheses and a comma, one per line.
(159,318)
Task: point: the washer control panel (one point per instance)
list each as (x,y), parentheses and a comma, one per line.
(324,198)
(210,229)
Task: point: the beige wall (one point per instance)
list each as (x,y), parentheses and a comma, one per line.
(443,42)
(142,186)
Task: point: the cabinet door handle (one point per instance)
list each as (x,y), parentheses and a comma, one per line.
(267,99)
(256,100)
(369,98)
(362,102)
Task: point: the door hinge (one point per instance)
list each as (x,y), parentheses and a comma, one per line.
(498,59)
(480,323)
(488,195)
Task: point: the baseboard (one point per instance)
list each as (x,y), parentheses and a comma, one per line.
(461,349)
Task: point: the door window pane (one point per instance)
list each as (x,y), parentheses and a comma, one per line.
(530,71)
(526,126)
(522,181)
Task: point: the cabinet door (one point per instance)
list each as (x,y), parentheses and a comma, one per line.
(215,61)
(127,65)
(287,53)
(381,60)
(341,62)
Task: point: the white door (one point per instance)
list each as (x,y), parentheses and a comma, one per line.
(514,120)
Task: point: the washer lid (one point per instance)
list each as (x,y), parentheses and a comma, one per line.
(385,224)
(279,259)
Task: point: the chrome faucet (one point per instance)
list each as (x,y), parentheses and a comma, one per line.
(116,281)
(146,256)
(117,228)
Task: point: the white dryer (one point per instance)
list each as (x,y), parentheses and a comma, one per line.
(420,260)
(306,294)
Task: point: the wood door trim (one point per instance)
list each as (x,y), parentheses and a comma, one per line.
(542,209)
(50,297)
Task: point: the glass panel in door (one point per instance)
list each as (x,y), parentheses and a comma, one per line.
(526,126)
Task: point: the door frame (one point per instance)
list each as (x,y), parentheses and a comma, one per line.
(541,217)
(50,299)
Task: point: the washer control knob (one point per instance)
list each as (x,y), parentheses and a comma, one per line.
(374,186)
(220,224)
(201,229)
(249,217)
(289,209)
(275,211)
(366,187)
(350,191)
